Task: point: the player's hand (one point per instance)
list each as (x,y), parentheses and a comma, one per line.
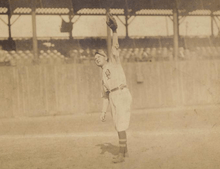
(102,116)
(111,22)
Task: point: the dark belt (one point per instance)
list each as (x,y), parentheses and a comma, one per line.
(121,87)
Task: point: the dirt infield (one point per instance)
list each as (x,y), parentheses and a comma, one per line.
(183,139)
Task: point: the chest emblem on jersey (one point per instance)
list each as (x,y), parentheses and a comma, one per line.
(108,74)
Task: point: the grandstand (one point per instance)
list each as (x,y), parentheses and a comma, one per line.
(133,49)
(148,51)
(49,76)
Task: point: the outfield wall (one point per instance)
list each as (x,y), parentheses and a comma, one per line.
(43,90)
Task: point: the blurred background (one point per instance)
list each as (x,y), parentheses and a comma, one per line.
(169,50)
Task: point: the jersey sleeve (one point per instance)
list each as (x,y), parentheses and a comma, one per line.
(115,53)
(115,50)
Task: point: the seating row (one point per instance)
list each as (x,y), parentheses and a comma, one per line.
(126,55)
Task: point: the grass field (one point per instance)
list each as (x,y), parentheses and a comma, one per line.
(157,139)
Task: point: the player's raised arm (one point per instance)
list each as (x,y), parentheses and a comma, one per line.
(114,56)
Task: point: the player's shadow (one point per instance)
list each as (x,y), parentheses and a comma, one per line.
(108,147)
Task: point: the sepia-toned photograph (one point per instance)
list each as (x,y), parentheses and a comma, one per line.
(109,84)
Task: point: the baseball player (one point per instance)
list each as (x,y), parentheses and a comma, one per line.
(115,91)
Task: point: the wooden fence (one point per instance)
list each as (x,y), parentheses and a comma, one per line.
(43,90)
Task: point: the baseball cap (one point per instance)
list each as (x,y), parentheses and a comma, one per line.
(101,52)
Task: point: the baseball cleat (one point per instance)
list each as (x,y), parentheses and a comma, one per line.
(126,155)
(118,159)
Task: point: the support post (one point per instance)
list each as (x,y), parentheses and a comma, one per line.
(176,32)
(10,45)
(9,24)
(34,30)
(70,22)
(167,28)
(126,20)
(108,36)
(212,24)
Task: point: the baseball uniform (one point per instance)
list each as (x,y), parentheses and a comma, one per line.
(115,89)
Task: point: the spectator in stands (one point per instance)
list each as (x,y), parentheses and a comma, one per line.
(81,55)
(87,53)
(145,56)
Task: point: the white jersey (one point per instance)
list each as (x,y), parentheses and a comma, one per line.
(113,76)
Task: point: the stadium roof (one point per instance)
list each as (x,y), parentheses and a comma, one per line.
(134,6)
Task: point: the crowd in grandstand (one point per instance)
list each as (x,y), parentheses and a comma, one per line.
(153,54)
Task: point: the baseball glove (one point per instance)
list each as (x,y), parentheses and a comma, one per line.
(111,22)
